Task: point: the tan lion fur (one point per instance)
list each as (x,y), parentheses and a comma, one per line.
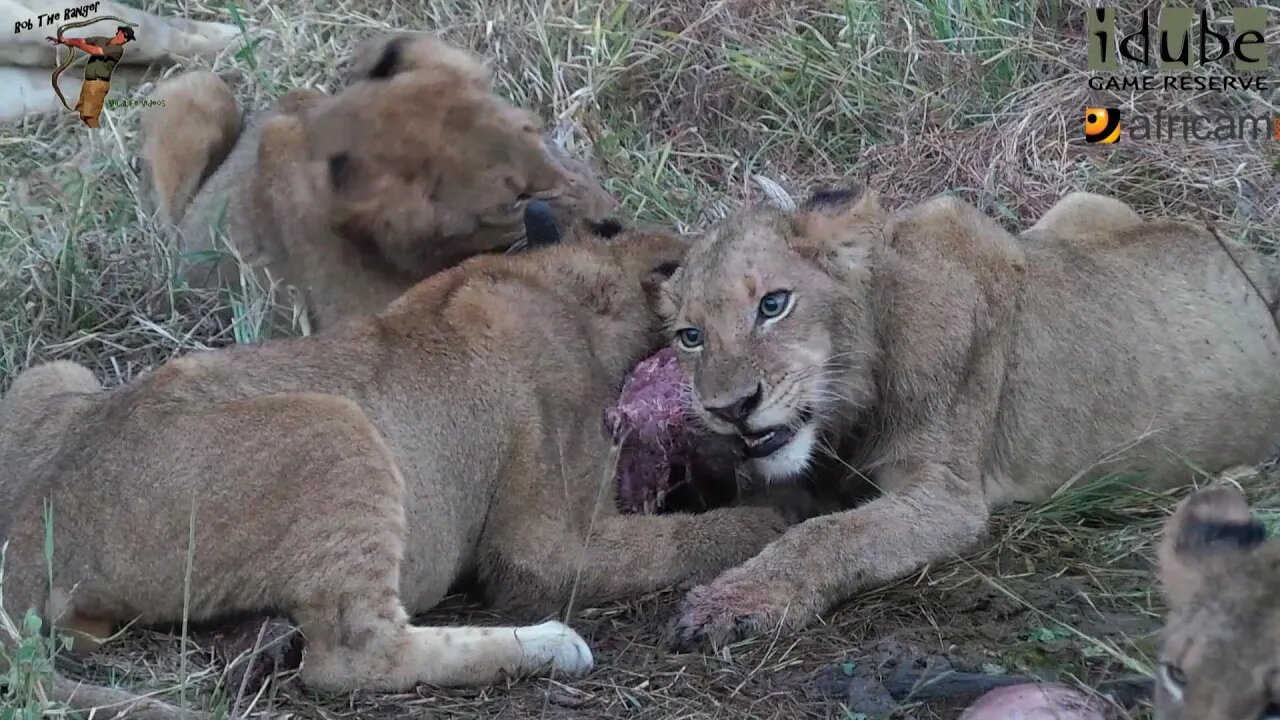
(414,165)
(1220,651)
(960,370)
(351,478)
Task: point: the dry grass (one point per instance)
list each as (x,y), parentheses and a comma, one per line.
(690,109)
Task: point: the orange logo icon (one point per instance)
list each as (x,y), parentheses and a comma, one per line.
(1101,125)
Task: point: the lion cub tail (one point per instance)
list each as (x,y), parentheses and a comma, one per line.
(106,702)
(186,136)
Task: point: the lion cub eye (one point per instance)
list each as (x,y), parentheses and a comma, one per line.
(690,338)
(775,304)
(1272,712)
(1174,679)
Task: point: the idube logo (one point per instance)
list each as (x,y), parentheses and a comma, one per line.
(1178,45)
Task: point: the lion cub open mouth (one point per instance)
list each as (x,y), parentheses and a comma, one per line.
(766,442)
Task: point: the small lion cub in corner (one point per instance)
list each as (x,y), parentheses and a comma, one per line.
(1220,655)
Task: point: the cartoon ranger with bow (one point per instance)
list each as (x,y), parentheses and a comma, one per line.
(104,53)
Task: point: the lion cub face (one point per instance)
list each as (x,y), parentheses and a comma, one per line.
(764,318)
(1220,655)
(419,162)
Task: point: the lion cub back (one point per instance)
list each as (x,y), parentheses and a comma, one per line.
(34,417)
(1220,654)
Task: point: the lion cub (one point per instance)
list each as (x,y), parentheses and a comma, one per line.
(1220,656)
(412,166)
(353,477)
(960,370)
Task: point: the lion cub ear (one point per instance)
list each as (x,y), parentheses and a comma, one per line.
(354,179)
(377,58)
(1210,530)
(608,228)
(344,171)
(833,200)
(660,289)
(384,57)
(838,229)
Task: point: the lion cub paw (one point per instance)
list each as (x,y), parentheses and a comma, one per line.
(736,605)
(555,643)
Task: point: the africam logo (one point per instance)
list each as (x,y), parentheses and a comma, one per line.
(1102,126)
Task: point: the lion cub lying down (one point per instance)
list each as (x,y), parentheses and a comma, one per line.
(352,477)
(351,198)
(960,369)
(1220,656)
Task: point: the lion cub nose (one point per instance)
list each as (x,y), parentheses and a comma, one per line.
(736,412)
(540,224)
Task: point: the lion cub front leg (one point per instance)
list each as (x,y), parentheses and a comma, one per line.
(933,506)
(619,556)
(340,565)
(828,558)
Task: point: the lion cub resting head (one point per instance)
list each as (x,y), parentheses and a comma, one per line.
(414,165)
(1220,656)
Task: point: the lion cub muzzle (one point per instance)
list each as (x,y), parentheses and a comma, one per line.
(774,435)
